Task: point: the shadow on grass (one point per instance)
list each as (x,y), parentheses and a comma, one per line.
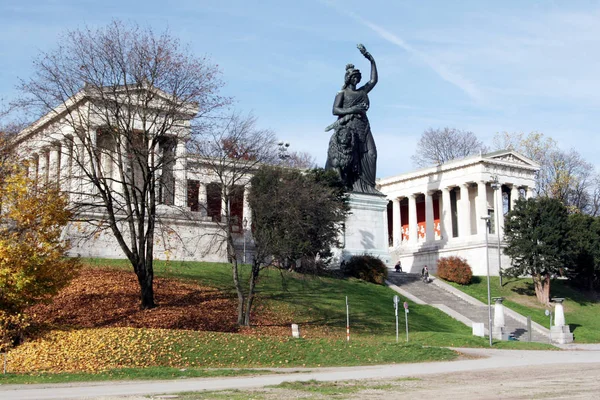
(526,290)
(564,289)
(573,327)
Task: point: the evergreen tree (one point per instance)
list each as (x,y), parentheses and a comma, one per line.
(537,236)
(584,267)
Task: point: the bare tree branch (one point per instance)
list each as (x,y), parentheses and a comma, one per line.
(120,102)
(438,146)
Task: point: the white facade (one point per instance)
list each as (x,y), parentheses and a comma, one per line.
(188,227)
(437,212)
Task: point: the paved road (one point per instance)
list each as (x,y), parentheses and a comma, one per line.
(489,359)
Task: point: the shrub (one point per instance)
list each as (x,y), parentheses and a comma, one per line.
(12,328)
(366,268)
(454,269)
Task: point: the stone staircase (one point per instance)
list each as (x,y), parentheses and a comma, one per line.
(459,305)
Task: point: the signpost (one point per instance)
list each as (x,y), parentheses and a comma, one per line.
(396,301)
(406,319)
(347,321)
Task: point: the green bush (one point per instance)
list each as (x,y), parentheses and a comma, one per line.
(454,269)
(366,268)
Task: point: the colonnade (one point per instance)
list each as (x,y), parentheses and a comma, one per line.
(198,200)
(68,164)
(453,212)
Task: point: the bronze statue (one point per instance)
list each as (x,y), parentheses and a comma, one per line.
(352,151)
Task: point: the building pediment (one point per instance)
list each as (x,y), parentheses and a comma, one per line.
(511,157)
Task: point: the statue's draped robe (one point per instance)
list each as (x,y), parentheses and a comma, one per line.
(352,149)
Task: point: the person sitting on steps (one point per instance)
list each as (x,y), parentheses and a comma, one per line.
(398,266)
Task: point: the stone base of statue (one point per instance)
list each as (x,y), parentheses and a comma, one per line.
(366,228)
(561,334)
(499,333)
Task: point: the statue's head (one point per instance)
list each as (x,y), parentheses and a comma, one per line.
(351,72)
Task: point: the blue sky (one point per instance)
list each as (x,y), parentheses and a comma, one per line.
(484,66)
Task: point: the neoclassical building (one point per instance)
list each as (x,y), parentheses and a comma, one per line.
(75,148)
(432,212)
(437,211)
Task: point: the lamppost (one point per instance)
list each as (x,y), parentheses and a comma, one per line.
(245,224)
(486,218)
(499,209)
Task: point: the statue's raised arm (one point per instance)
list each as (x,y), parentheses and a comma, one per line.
(373,81)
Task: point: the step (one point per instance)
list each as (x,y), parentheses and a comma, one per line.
(463,309)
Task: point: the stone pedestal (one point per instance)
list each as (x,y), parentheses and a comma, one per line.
(561,334)
(499,331)
(366,228)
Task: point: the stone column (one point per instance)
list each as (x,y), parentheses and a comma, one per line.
(247,212)
(396,222)
(78,175)
(67,163)
(32,171)
(514,196)
(43,167)
(429,235)
(54,165)
(446,214)
(180,174)
(482,207)
(500,210)
(528,192)
(412,219)
(224,203)
(88,188)
(464,215)
(203,201)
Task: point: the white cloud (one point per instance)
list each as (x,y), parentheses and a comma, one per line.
(435,64)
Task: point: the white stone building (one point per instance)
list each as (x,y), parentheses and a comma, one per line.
(60,147)
(437,211)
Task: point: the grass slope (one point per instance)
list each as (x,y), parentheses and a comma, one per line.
(120,351)
(316,301)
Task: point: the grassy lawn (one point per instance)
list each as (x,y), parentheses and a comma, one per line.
(317,304)
(311,390)
(134,350)
(316,301)
(582,310)
(150,373)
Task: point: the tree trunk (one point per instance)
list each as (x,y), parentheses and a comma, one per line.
(541,283)
(251,287)
(240,292)
(145,279)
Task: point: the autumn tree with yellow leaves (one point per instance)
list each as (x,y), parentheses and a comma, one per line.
(33,266)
